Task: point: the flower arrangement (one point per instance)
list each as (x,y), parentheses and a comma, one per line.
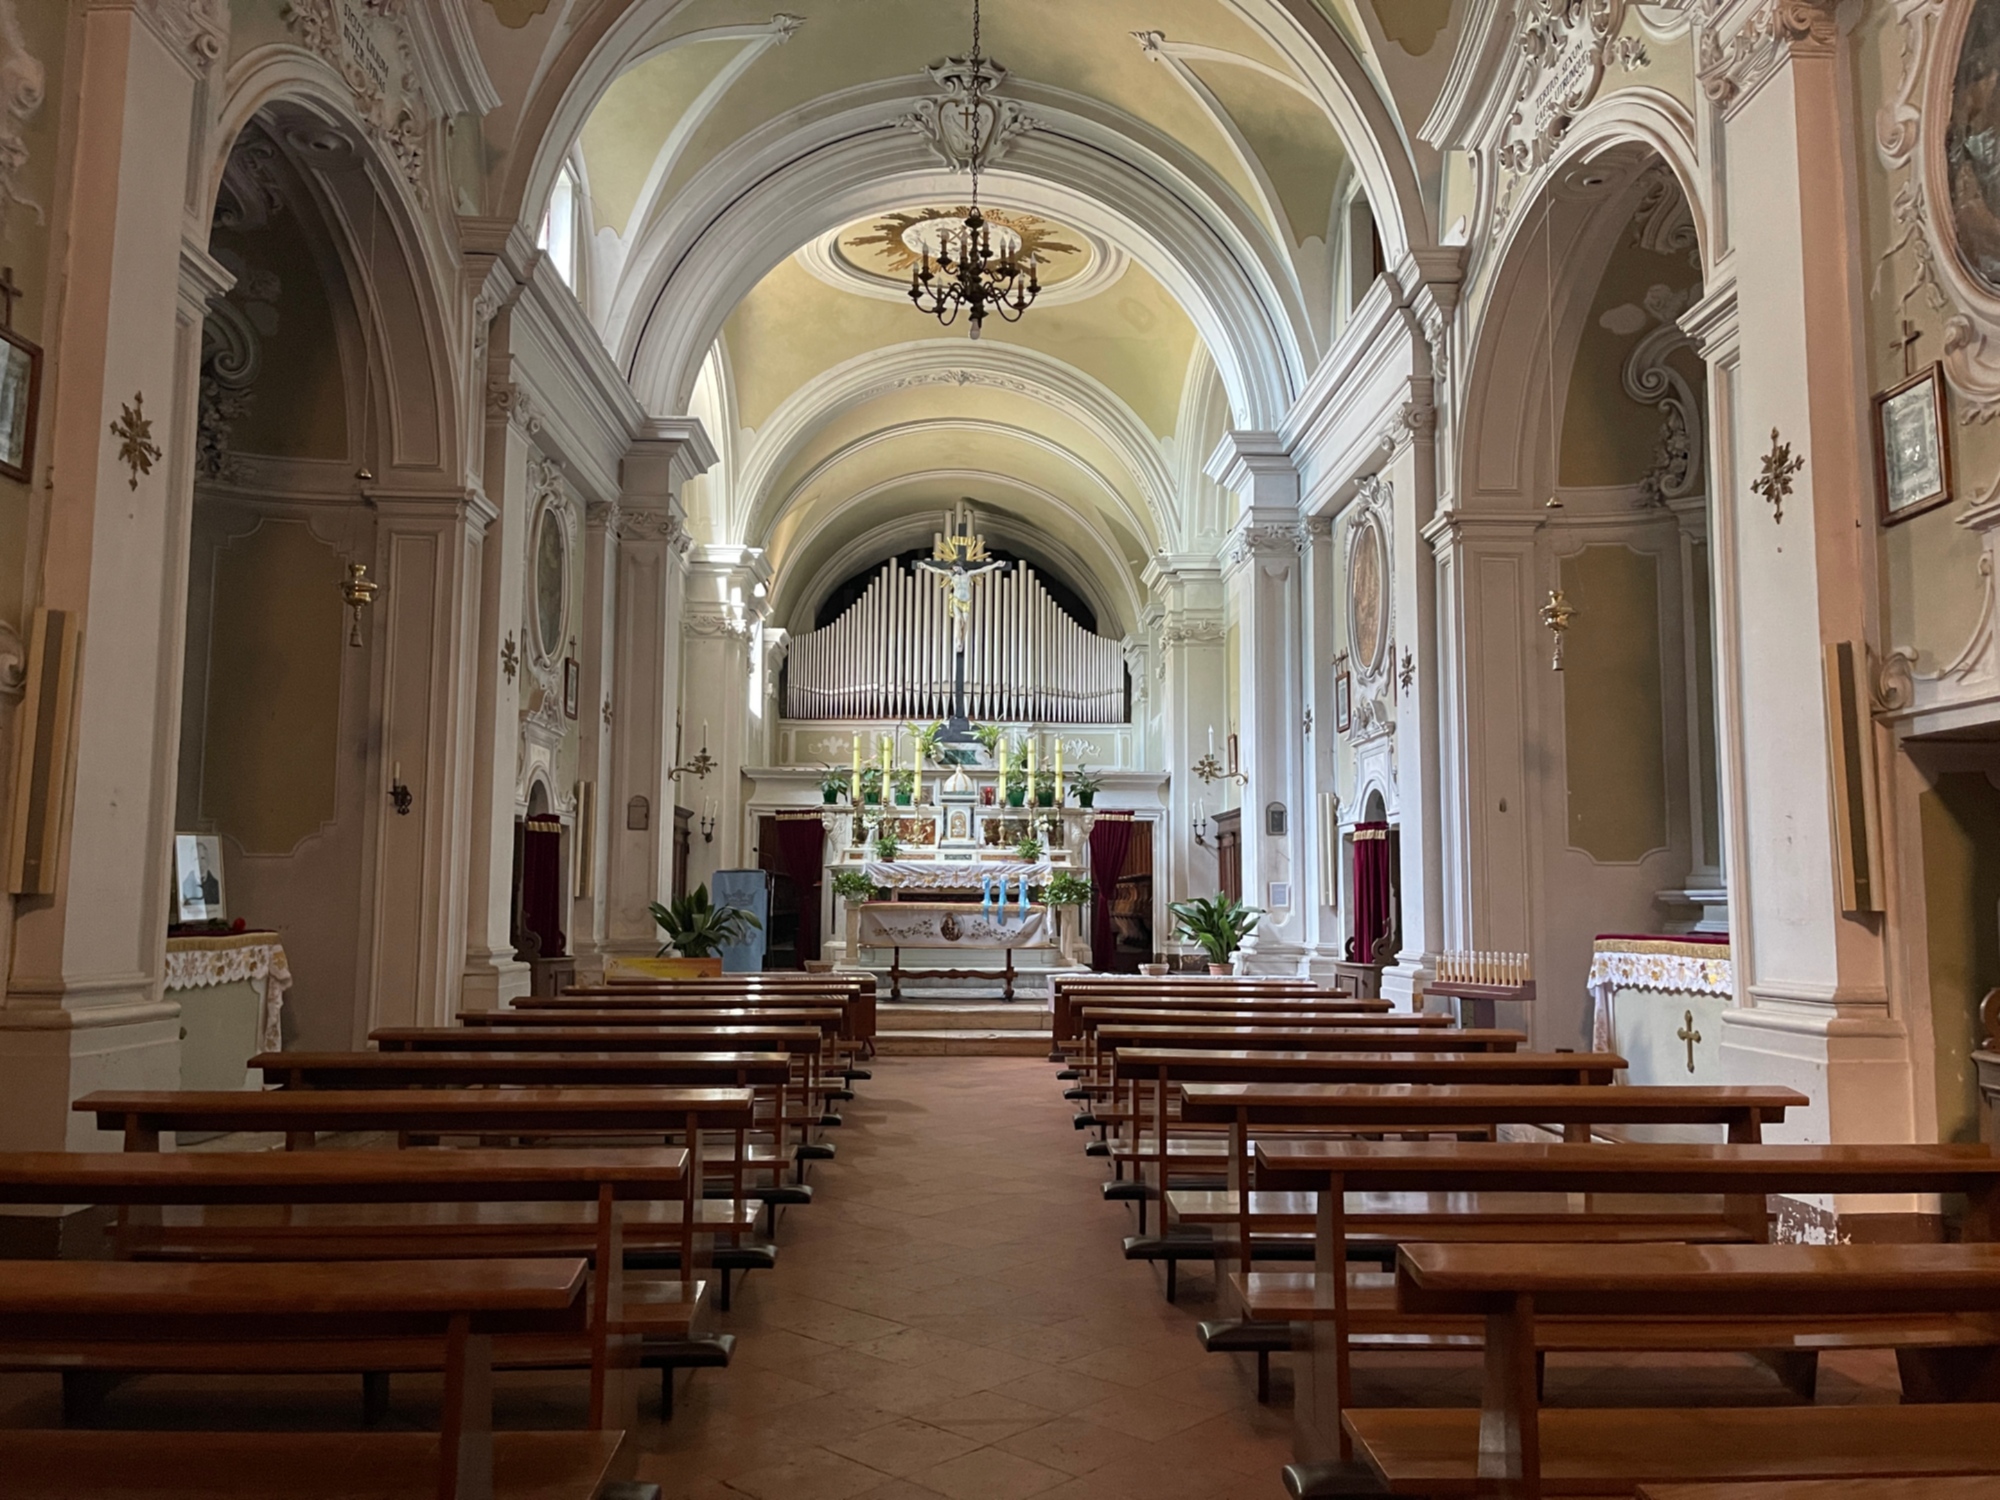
(1029,848)
(853,887)
(1067,890)
(886,847)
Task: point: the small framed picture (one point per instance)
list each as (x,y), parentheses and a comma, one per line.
(1233,766)
(20,402)
(1343,700)
(572,686)
(1913,446)
(198,894)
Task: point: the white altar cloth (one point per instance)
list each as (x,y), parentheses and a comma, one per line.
(943,875)
(1665,965)
(927,924)
(257,958)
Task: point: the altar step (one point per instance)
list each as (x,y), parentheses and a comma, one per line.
(969,1028)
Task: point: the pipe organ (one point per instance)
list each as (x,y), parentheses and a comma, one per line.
(889,656)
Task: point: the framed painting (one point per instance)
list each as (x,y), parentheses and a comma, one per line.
(198,893)
(20,403)
(1232,746)
(1912,447)
(1343,700)
(572,686)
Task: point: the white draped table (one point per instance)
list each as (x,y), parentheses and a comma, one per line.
(231,991)
(944,924)
(1699,976)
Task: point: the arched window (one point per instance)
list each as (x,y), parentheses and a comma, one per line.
(562,226)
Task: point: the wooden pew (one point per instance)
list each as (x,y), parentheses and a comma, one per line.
(1932,1488)
(1742,1175)
(1441,1109)
(857,991)
(1091,1018)
(1068,991)
(299,1315)
(401,1205)
(1147,1074)
(1529,1298)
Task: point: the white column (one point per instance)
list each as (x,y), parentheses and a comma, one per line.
(651,580)
(598,640)
(1191,679)
(1263,572)
(84,1005)
(1320,592)
(721,645)
(494,978)
(1779,328)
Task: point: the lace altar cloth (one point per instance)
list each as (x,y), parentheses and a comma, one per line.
(1668,965)
(920,924)
(943,875)
(256,957)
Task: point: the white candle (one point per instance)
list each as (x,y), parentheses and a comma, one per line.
(1211,739)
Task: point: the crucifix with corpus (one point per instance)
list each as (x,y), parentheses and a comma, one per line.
(958,561)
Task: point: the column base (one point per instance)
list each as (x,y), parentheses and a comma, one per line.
(1852,1061)
(1403,984)
(494,981)
(52,1054)
(1281,960)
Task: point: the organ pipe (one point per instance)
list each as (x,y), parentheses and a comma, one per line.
(889,656)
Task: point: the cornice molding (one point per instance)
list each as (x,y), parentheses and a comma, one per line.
(1732,72)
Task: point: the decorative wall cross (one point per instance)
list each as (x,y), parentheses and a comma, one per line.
(134,431)
(1688,1034)
(1775,482)
(1905,340)
(510,656)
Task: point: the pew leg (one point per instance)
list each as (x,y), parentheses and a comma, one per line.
(666,1393)
(1797,1369)
(723,1300)
(1263,1377)
(83,1393)
(1173,1278)
(1931,1375)
(1541,1375)
(374,1396)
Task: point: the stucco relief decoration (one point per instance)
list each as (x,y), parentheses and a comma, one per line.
(1564,47)
(367,42)
(552,539)
(1370,613)
(199,27)
(22,89)
(1731,71)
(941,119)
(1941,125)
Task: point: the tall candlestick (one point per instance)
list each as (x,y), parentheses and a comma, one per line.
(854,779)
(1031,766)
(1059,784)
(1000,754)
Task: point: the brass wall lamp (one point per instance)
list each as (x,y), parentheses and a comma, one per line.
(359,593)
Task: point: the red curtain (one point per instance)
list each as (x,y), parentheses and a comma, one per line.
(1110,838)
(800,854)
(1371,891)
(542,884)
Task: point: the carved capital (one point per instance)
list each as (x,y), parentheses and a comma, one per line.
(721,624)
(508,402)
(197,30)
(1732,71)
(1267,541)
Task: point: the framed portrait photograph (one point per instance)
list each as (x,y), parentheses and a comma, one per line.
(198,893)
(20,401)
(572,686)
(1343,700)
(1912,446)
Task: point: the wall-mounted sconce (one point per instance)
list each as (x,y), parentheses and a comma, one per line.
(701,765)
(398,793)
(1198,824)
(708,820)
(1210,770)
(1557,614)
(359,593)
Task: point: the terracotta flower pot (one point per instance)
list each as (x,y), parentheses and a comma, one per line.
(1221,969)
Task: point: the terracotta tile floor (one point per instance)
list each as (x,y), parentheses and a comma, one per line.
(952,1317)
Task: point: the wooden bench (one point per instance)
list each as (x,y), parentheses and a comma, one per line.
(1528,1297)
(1067,992)
(1147,1074)
(1742,1176)
(301,1317)
(401,1205)
(1931,1488)
(857,1002)
(1092,1015)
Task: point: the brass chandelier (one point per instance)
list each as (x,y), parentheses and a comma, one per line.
(969,277)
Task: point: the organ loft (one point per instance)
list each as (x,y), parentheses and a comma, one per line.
(998,747)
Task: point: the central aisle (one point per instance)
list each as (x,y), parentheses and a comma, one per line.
(952,1316)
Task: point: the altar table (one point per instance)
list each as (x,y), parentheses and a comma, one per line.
(946,875)
(1684,982)
(898,925)
(231,991)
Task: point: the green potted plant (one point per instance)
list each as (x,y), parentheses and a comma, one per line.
(871,784)
(1017,775)
(1086,784)
(1029,848)
(1045,787)
(904,783)
(698,929)
(1218,923)
(853,887)
(1067,890)
(835,784)
(886,847)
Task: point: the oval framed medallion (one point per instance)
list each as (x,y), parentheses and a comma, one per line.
(1368,594)
(550,561)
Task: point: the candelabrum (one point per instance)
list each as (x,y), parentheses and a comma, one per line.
(699,767)
(1198,825)
(708,827)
